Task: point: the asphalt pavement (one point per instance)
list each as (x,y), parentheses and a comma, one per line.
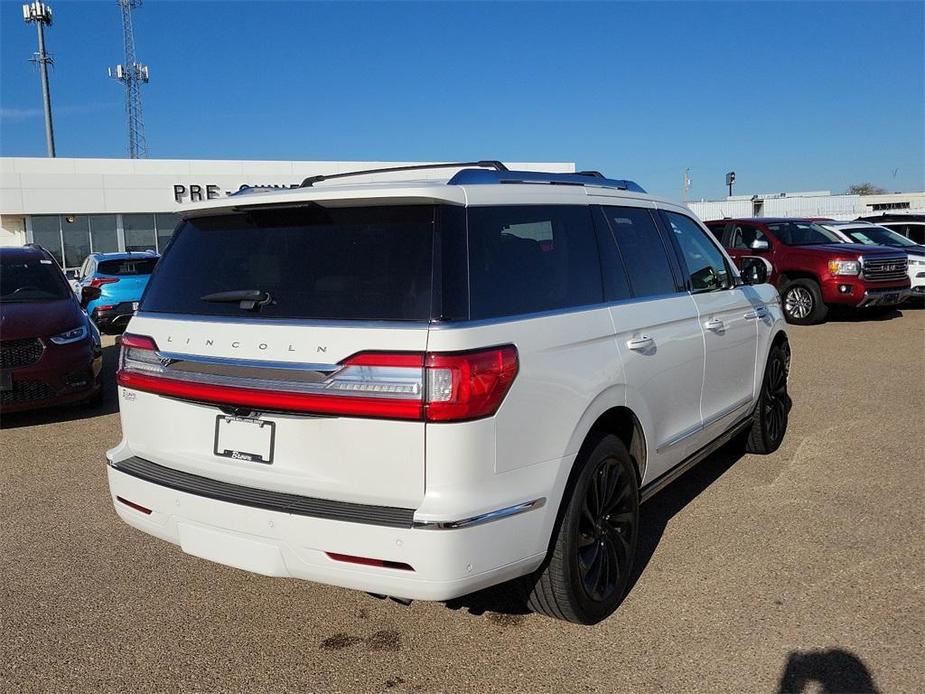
(799,571)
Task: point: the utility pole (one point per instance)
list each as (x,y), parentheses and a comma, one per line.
(687,183)
(132,74)
(40,14)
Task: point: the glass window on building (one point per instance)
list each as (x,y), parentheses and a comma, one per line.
(103,236)
(46,232)
(76,232)
(166,223)
(139,232)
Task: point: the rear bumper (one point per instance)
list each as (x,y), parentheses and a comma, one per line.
(114,319)
(445,562)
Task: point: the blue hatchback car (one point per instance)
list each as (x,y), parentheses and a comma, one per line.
(122,278)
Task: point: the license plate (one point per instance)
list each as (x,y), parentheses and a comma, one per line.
(242,438)
(134,305)
(6,381)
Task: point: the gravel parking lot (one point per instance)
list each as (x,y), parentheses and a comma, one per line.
(758,574)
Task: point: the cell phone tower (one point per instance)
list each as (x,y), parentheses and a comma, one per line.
(39,13)
(132,74)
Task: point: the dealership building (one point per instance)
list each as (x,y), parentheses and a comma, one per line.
(74,207)
(820,203)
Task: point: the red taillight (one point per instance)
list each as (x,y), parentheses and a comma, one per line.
(107,307)
(469,385)
(100,281)
(365,561)
(433,387)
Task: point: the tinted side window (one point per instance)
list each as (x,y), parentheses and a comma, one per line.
(706,266)
(716,230)
(524,259)
(643,251)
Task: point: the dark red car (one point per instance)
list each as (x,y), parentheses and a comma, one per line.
(811,267)
(50,352)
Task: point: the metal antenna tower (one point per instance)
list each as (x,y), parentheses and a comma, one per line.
(132,74)
(40,14)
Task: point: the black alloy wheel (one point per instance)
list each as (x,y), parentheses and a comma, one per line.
(769,423)
(606,528)
(776,403)
(593,547)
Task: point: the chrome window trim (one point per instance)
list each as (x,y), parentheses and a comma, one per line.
(480,519)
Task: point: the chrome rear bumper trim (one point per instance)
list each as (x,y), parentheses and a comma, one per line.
(506,512)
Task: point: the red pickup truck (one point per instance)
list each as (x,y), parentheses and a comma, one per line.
(813,269)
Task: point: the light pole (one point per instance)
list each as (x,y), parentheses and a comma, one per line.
(40,14)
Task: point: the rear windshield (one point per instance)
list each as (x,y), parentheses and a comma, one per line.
(31,280)
(370,263)
(127,266)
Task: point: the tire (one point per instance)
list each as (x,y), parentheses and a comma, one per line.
(592,552)
(802,304)
(769,421)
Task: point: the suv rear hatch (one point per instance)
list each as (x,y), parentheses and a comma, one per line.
(282,349)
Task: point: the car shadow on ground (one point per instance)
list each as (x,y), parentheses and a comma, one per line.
(67,413)
(835,670)
(506,602)
(841,315)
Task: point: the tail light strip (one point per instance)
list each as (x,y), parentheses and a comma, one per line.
(436,387)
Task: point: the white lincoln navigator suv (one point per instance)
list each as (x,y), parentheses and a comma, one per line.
(421,388)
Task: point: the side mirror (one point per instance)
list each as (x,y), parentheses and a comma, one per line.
(760,245)
(755,270)
(88,294)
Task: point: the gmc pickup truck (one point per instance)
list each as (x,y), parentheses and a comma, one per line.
(813,269)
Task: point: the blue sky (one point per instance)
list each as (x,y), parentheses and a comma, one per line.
(792,96)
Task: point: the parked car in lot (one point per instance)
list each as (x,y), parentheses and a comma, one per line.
(50,351)
(122,278)
(874,235)
(420,389)
(813,268)
(912,226)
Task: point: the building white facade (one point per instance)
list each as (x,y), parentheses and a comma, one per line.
(77,206)
(809,204)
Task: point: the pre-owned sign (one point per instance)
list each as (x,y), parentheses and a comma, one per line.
(197,193)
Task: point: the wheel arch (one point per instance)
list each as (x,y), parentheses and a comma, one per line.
(787,276)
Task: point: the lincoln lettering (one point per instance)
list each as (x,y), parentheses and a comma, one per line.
(236,344)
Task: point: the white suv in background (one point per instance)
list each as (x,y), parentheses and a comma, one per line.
(875,235)
(423,388)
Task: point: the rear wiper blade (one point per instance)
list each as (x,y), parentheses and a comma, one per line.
(248,299)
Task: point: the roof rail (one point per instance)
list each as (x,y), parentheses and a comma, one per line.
(487,163)
(583,178)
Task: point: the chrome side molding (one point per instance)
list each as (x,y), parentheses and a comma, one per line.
(506,512)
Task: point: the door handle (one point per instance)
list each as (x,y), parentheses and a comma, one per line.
(714,324)
(640,343)
(752,315)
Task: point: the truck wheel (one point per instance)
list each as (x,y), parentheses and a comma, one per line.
(769,422)
(802,303)
(588,569)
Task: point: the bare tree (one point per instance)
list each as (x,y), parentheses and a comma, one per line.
(865,189)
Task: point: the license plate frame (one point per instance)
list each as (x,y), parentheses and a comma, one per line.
(6,381)
(232,431)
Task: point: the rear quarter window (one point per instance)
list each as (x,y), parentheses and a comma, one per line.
(527,259)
